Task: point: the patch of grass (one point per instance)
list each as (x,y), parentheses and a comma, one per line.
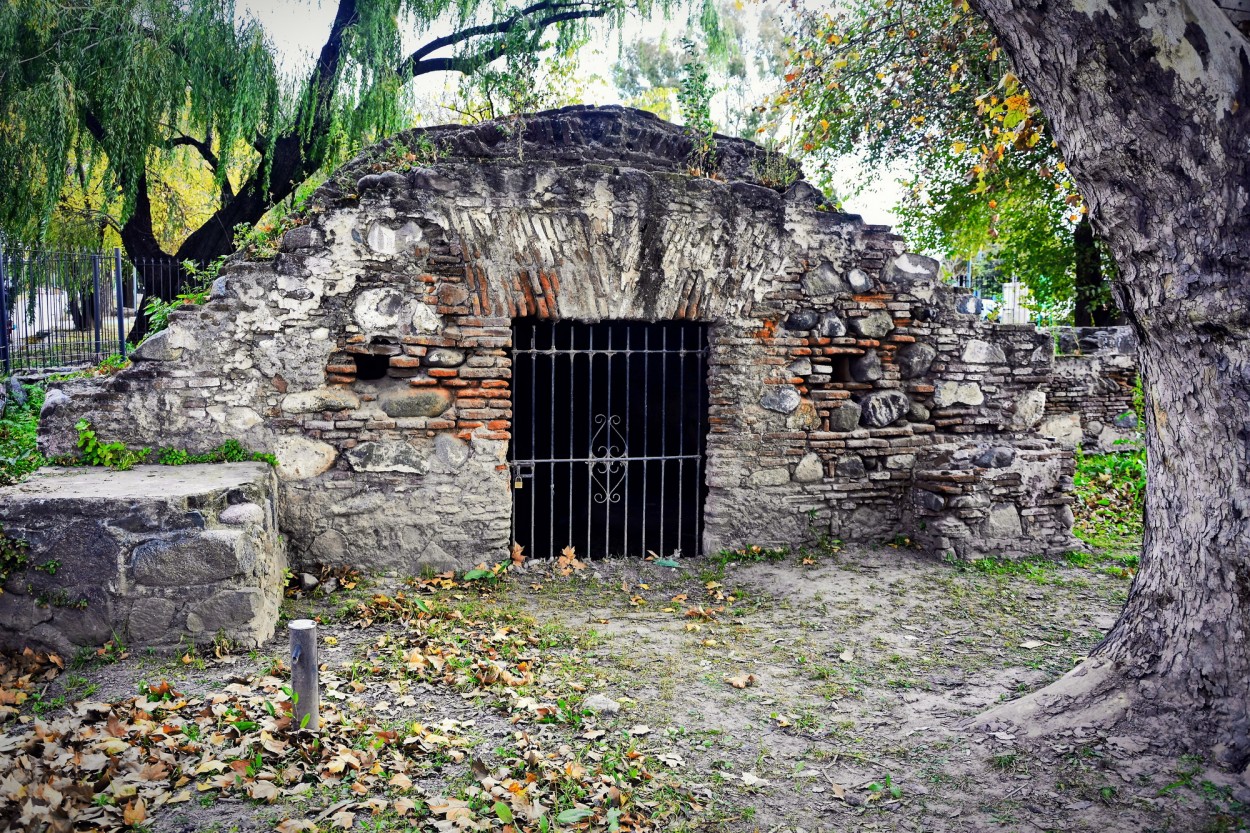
(751,554)
(1040,570)
(1111,497)
(19,425)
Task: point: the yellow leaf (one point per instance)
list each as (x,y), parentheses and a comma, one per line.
(742,680)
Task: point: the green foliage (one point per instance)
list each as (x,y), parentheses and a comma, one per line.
(774,170)
(105,82)
(926,84)
(158,311)
(750,554)
(1111,495)
(117,455)
(14,555)
(747,53)
(19,426)
(488,577)
(694,97)
(109,365)
(109,91)
(231,451)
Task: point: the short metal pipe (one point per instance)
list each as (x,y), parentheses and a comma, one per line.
(304,683)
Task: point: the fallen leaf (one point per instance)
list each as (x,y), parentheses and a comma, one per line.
(134,813)
(742,680)
(296,826)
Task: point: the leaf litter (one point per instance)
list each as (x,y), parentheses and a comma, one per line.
(109,765)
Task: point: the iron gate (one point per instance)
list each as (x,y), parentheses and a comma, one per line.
(609,430)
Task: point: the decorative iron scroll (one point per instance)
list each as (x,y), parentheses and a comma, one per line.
(607,458)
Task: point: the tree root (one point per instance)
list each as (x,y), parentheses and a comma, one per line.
(1097,699)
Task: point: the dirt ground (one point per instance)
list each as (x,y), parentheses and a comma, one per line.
(832,693)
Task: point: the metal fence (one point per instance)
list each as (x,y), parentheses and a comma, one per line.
(60,309)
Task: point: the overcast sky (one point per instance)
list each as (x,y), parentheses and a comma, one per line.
(299,27)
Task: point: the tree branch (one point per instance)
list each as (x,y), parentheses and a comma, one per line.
(470,64)
(414,64)
(190,141)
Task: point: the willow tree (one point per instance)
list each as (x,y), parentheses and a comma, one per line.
(926,83)
(117,85)
(1150,103)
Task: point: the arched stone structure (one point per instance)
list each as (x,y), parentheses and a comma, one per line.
(849,394)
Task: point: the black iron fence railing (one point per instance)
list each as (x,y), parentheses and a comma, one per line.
(60,309)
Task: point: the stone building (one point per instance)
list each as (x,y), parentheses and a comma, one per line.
(553,331)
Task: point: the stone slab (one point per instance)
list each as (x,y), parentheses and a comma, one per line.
(157,556)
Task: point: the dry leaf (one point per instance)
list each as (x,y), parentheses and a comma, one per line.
(742,680)
(134,813)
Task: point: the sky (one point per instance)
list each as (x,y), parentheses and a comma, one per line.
(299,27)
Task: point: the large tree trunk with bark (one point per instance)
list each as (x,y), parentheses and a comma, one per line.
(1150,103)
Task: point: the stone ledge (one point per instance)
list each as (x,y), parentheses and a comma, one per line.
(155,556)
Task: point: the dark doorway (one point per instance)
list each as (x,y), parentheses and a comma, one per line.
(609,425)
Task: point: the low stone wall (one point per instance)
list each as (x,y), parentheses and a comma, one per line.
(1007,499)
(155,556)
(1090,397)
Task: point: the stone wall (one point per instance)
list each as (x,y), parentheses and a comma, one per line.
(155,556)
(1090,395)
(372,355)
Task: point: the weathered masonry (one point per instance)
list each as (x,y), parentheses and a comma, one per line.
(1090,399)
(454,285)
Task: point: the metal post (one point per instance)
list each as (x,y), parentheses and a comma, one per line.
(95,303)
(118,281)
(4,316)
(304,673)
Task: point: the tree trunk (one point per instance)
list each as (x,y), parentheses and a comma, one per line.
(1151,105)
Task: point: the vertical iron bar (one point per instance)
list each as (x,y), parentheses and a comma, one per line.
(572,417)
(663,434)
(629,401)
(590,433)
(704,406)
(5,348)
(646,428)
(533,406)
(119,280)
(552,361)
(681,438)
(95,302)
(607,445)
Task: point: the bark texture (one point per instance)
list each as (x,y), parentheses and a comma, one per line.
(1151,105)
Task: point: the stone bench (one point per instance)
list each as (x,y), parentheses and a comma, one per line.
(157,556)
